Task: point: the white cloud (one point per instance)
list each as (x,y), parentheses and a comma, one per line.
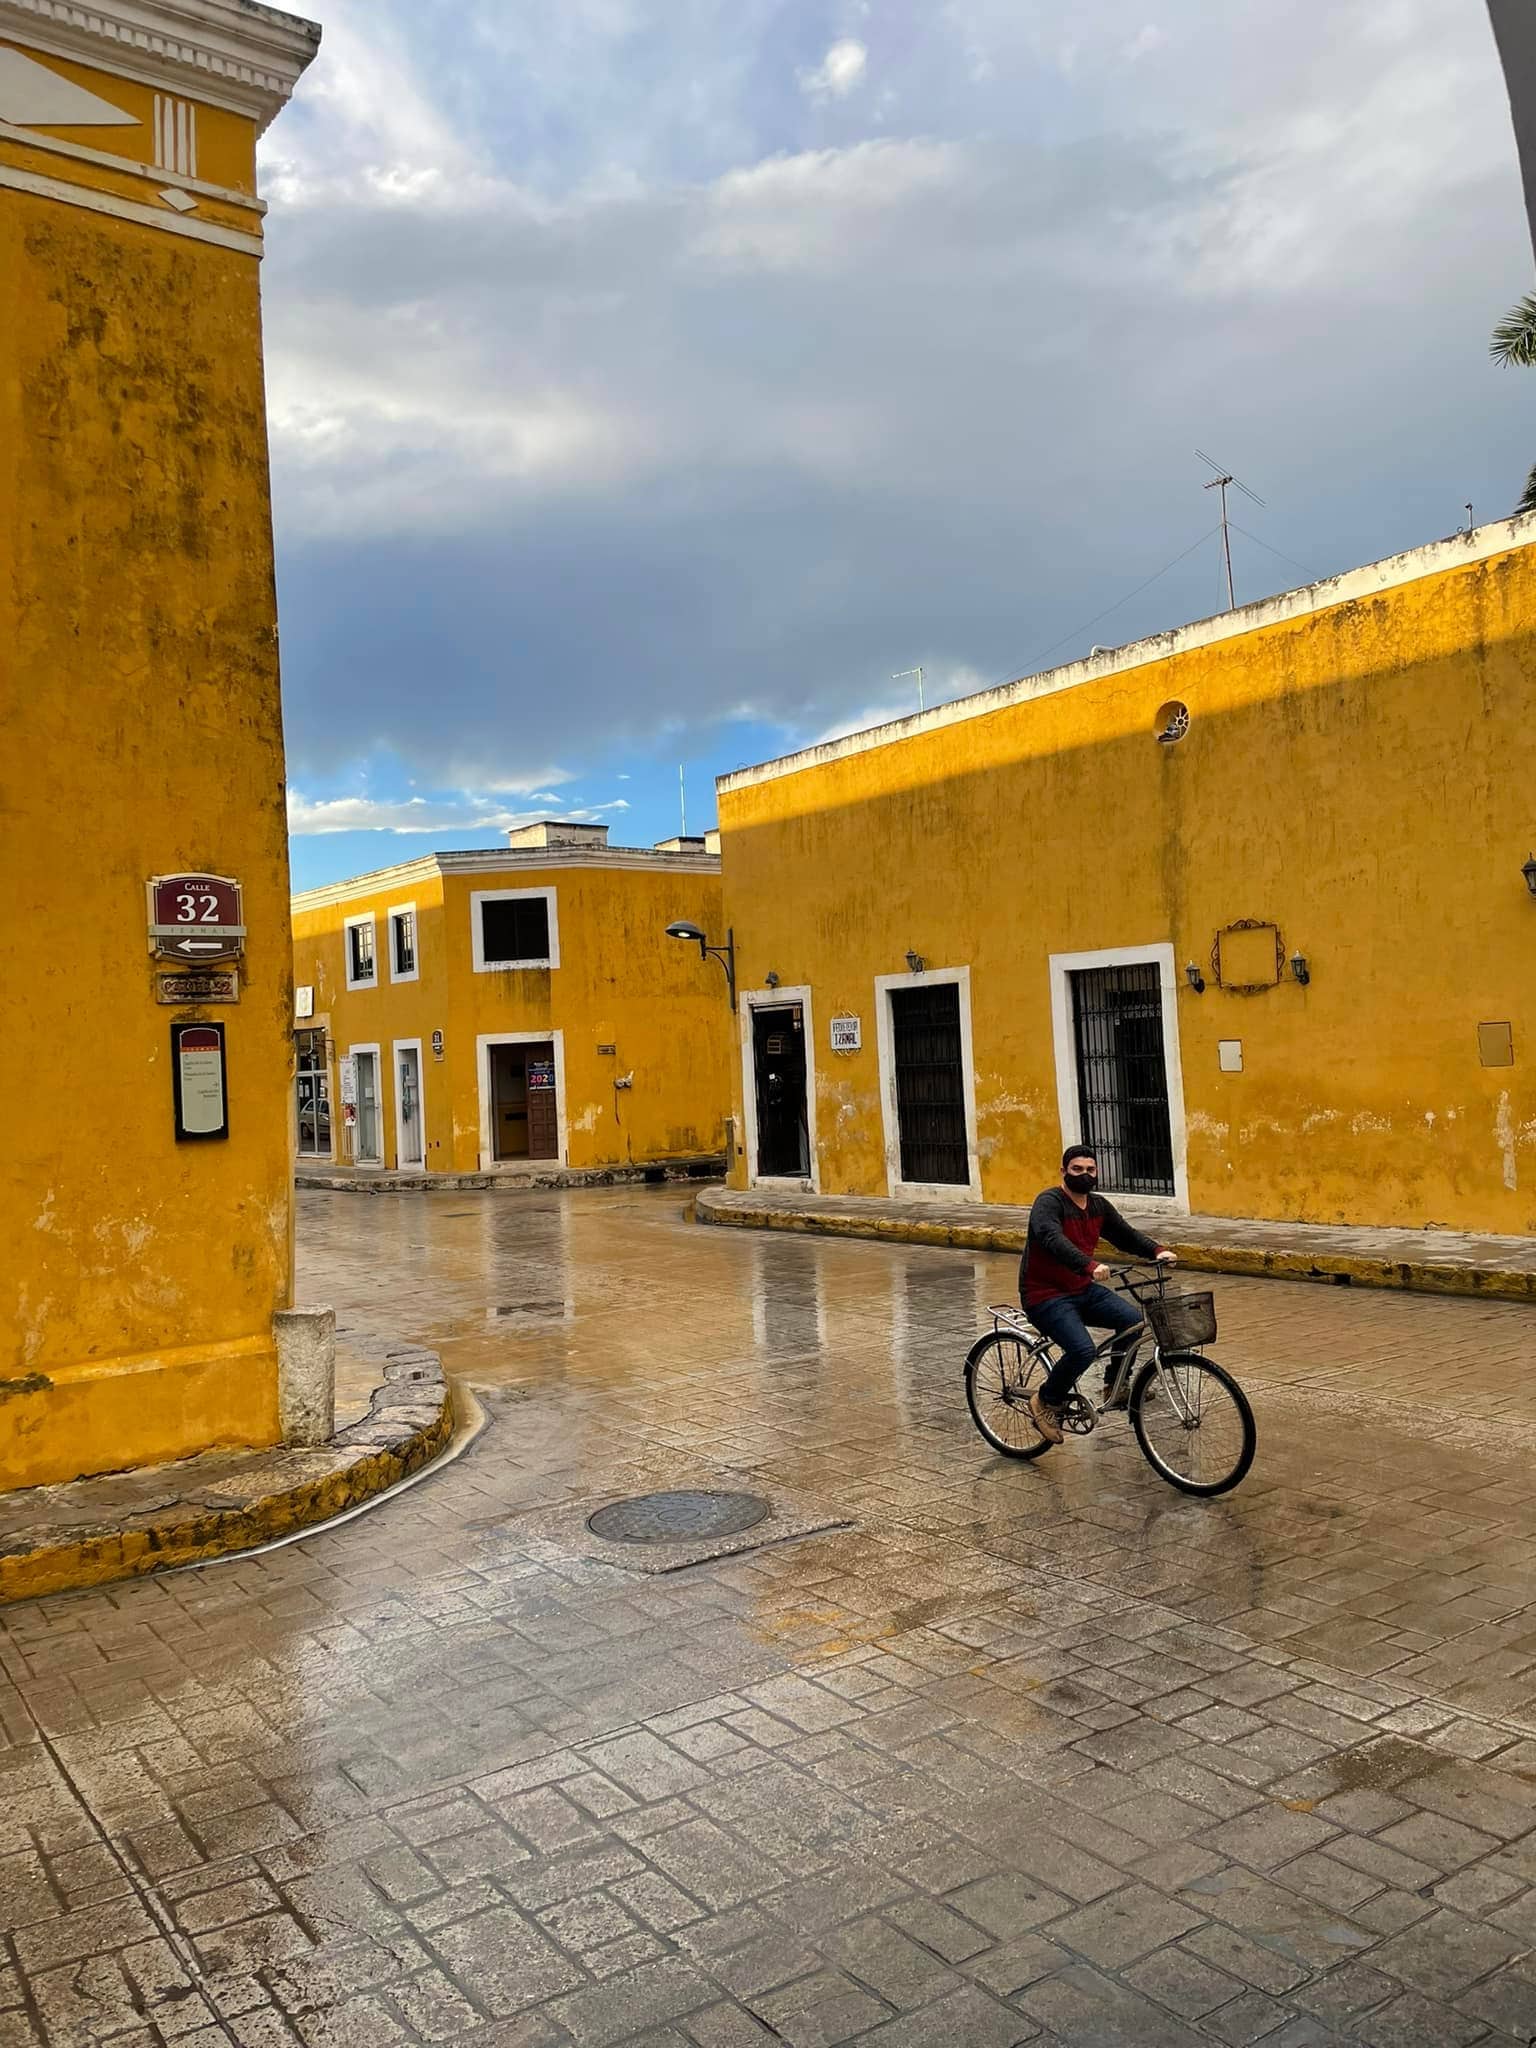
(839,73)
(571,441)
(309,816)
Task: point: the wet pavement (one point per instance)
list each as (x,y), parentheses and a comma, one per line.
(1031,1753)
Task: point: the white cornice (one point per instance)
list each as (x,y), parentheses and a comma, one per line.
(231,53)
(1459,551)
(496,861)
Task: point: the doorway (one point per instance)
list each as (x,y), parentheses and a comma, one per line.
(311,1083)
(929,1067)
(779,1089)
(409,1145)
(369,1149)
(1122,1076)
(524,1100)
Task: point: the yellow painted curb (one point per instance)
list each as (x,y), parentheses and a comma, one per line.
(189,1535)
(1416,1276)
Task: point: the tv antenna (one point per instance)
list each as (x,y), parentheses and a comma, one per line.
(902,673)
(1219,482)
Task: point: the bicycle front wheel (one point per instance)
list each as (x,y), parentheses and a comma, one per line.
(1000,1374)
(1193,1423)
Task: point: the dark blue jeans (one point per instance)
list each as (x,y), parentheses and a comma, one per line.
(1066,1320)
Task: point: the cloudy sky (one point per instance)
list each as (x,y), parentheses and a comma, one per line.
(652,379)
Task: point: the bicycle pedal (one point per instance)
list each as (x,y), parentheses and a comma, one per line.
(1078,1416)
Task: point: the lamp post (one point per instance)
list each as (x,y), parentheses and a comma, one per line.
(726,954)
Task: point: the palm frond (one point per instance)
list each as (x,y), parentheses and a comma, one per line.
(1514,339)
(1528,495)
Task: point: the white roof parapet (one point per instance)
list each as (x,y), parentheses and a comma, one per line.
(1459,550)
(492,860)
(236,54)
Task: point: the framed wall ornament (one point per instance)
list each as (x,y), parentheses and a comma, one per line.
(1248,957)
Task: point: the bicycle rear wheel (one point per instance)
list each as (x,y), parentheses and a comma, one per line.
(1001,1371)
(1193,1423)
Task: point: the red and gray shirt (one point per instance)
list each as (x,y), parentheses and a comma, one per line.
(1062,1248)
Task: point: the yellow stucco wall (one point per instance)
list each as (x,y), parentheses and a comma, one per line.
(140,733)
(621,982)
(1363,777)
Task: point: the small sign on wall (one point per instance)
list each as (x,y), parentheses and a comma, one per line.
(437,1045)
(1229,1051)
(304,1002)
(198,1079)
(346,1078)
(847,1034)
(214,985)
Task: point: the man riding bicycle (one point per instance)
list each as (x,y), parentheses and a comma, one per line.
(1060,1281)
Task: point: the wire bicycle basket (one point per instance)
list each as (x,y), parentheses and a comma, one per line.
(1182,1322)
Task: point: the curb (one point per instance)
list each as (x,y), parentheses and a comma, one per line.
(1415,1276)
(409,1421)
(707,1166)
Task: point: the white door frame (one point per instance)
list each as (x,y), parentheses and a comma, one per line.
(489,1163)
(378,1096)
(398,1046)
(1063,965)
(968,1190)
(773,999)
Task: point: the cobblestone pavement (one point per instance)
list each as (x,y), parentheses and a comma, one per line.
(1037,1753)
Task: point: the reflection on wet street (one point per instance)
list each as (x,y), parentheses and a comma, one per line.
(1023,1752)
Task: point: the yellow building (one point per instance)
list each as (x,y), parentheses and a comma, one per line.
(1247,905)
(146,1248)
(495,1010)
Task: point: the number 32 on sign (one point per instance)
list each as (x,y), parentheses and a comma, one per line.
(195,918)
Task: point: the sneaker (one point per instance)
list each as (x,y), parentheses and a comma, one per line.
(1046,1419)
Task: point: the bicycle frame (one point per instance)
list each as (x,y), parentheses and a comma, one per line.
(1017,1324)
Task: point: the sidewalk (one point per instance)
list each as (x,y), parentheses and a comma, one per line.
(511,1178)
(1425,1261)
(155,1517)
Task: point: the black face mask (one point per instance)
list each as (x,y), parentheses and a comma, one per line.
(1082,1183)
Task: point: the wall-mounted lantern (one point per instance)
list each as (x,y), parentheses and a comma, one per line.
(726,954)
(914,962)
(1528,869)
(1194,977)
(1300,971)
(770,979)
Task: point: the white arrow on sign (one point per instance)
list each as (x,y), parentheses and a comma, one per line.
(201,946)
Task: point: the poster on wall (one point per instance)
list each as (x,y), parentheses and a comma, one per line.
(198,1081)
(346,1079)
(541,1074)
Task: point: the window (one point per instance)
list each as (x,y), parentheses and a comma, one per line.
(361,969)
(402,943)
(514,928)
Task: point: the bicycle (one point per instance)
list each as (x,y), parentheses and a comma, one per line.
(1191,1418)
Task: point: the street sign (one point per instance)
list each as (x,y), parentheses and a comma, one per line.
(847,1034)
(197,1076)
(210,985)
(195,918)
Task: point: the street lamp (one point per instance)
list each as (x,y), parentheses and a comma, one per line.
(726,954)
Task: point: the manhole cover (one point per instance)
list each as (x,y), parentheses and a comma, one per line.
(677,1517)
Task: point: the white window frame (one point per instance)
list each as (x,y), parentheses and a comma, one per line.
(489,1163)
(968,1190)
(348,924)
(773,999)
(403,910)
(373,1046)
(398,1046)
(1069,1106)
(477,930)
